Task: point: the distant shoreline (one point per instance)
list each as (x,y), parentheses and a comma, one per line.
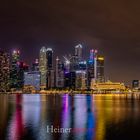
(70,92)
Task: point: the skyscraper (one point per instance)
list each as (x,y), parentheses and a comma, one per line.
(50,69)
(91,67)
(76,58)
(70,80)
(67,63)
(49,55)
(59,73)
(74,63)
(14,69)
(4,71)
(78,51)
(43,67)
(50,79)
(21,68)
(100,69)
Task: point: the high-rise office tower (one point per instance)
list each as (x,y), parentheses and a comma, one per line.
(70,79)
(43,67)
(14,69)
(74,63)
(4,71)
(76,58)
(50,69)
(95,64)
(50,79)
(78,51)
(59,73)
(100,69)
(21,68)
(67,63)
(49,55)
(91,67)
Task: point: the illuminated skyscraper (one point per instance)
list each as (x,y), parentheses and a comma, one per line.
(14,69)
(91,67)
(43,67)
(4,71)
(76,58)
(50,79)
(70,79)
(67,63)
(74,63)
(59,72)
(78,51)
(50,70)
(100,69)
(49,55)
(22,67)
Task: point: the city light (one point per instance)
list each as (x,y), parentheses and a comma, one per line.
(100,58)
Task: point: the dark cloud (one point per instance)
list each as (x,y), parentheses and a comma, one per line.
(113,27)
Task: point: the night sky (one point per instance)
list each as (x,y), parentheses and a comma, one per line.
(112,27)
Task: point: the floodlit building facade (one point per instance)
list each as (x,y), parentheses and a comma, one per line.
(4,71)
(43,67)
(107,86)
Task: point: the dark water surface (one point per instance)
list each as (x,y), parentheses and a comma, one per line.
(90,117)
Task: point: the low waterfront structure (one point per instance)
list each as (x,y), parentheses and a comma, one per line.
(108,86)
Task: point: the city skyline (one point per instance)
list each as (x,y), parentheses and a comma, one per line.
(48,72)
(84,55)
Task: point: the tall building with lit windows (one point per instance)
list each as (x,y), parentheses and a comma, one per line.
(49,56)
(43,67)
(22,67)
(14,69)
(91,67)
(67,63)
(74,63)
(70,79)
(78,51)
(4,71)
(59,74)
(100,69)
(76,58)
(50,69)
